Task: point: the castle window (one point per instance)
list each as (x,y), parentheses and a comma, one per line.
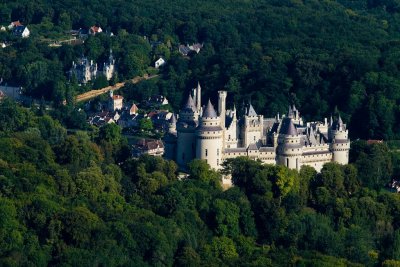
(217,162)
(217,151)
(206,152)
(229,137)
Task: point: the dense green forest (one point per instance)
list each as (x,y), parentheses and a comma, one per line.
(316,54)
(78,199)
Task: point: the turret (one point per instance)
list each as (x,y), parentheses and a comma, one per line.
(252,126)
(289,149)
(186,126)
(340,145)
(209,143)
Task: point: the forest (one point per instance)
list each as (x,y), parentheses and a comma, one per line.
(79,199)
(319,55)
(71,195)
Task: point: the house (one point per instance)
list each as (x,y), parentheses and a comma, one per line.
(147,146)
(133,109)
(160,62)
(186,49)
(21,31)
(116,102)
(84,70)
(3,45)
(109,67)
(3,29)
(94,30)
(12,92)
(196,47)
(156,100)
(14,24)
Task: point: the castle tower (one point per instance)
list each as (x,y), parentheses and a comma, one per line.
(289,149)
(186,126)
(222,112)
(109,67)
(252,126)
(340,145)
(170,139)
(209,143)
(231,131)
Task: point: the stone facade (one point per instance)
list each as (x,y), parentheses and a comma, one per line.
(202,132)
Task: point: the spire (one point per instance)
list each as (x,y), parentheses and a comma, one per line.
(331,121)
(338,124)
(233,113)
(313,140)
(198,96)
(290,112)
(190,104)
(172,120)
(209,112)
(251,111)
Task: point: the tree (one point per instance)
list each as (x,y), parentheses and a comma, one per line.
(200,170)
(110,133)
(145,124)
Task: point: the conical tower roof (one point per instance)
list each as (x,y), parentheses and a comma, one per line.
(340,122)
(190,104)
(290,111)
(209,111)
(172,120)
(251,111)
(288,127)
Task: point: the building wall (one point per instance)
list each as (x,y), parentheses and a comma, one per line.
(209,148)
(186,147)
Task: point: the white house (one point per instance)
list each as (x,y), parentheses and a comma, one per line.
(160,62)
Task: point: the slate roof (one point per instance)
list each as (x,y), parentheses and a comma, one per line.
(190,106)
(209,111)
(172,120)
(251,111)
(288,127)
(19,30)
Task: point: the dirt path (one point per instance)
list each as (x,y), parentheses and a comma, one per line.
(94,93)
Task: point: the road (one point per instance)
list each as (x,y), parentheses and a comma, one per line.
(94,93)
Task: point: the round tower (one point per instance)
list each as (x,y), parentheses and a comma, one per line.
(170,139)
(340,145)
(289,149)
(185,127)
(209,141)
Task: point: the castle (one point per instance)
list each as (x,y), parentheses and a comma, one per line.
(204,133)
(86,70)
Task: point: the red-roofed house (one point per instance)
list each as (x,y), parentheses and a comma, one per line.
(14,24)
(94,30)
(116,101)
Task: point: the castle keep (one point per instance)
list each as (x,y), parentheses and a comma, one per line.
(215,135)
